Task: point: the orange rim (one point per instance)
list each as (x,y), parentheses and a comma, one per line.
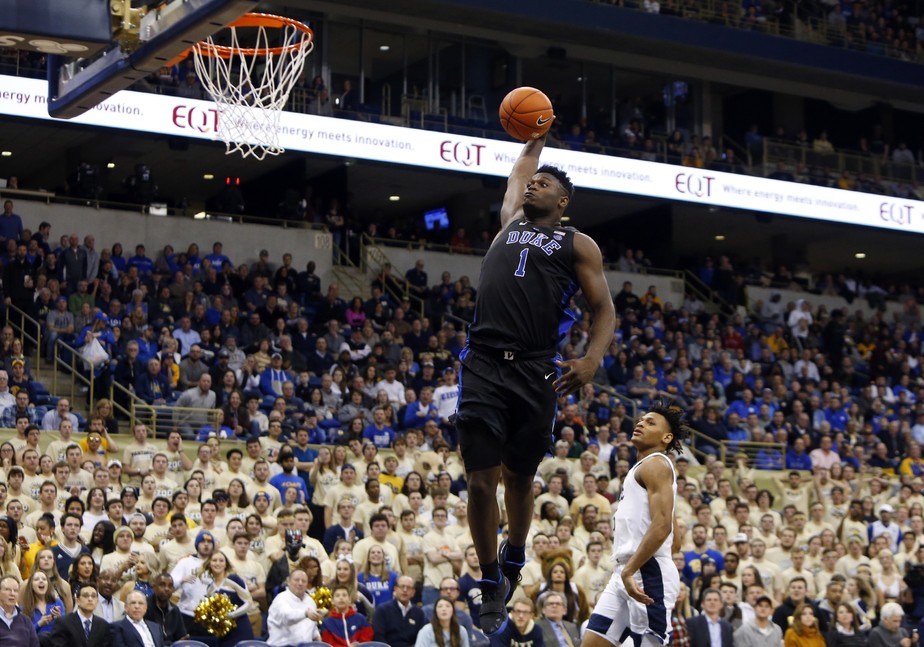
(266,20)
(257,20)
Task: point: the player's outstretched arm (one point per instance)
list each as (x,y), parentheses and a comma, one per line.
(588,266)
(523,169)
(656,477)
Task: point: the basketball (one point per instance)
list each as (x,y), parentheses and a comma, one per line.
(526,113)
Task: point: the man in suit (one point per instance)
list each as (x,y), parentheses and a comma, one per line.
(398,622)
(133,630)
(709,629)
(109,608)
(556,631)
(82,628)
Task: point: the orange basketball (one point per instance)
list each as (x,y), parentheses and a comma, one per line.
(526,113)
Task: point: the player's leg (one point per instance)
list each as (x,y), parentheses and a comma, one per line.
(535,405)
(481,423)
(484,516)
(518,497)
(609,622)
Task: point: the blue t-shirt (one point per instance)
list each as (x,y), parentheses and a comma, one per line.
(381,438)
(382,590)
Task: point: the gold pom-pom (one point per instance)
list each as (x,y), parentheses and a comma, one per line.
(322,597)
(213,613)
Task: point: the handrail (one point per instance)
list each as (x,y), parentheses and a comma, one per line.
(380,259)
(705,292)
(773,452)
(75,366)
(342,260)
(697,441)
(740,150)
(777,151)
(631,404)
(169,211)
(24,319)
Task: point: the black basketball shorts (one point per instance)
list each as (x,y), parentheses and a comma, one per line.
(507,409)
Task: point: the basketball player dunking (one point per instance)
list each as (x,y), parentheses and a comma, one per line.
(640,595)
(511,373)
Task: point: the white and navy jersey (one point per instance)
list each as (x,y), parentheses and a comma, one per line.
(632,518)
(527,281)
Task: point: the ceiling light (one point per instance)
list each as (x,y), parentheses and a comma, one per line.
(566,218)
(208,176)
(6,153)
(394,198)
(384,48)
(720,237)
(201,216)
(110,165)
(860,255)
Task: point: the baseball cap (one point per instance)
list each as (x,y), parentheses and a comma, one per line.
(114,463)
(275,355)
(130,490)
(224,353)
(741,538)
(101,317)
(763,599)
(885,507)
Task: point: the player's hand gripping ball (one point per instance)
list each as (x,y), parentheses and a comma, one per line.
(526,113)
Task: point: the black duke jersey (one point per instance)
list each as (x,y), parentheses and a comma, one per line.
(527,281)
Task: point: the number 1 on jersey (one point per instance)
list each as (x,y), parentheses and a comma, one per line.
(521,268)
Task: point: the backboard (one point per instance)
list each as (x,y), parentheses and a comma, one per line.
(97,48)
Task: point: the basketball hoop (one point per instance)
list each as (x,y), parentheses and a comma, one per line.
(251,84)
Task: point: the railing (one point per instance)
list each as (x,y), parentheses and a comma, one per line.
(374,260)
(164,418)
(176,212)
(762,455)
(67,358)
(805,158)
(743,153)
(342,263)
(631,405)
(28,329)
(703,292)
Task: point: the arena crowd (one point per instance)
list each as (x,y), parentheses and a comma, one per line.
(333,464)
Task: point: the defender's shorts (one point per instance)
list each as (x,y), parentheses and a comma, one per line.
(617,616)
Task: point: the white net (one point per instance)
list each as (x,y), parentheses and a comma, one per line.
(250,83)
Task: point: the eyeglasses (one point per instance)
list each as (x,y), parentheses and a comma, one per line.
(449,588)
(404,586)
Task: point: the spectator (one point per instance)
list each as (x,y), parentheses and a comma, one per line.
(399,621)
(556,631)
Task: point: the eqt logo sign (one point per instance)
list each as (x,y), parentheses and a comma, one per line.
(699,186)
(203,120)
(896,212)
(460,153)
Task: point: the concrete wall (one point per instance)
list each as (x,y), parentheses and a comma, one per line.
(403,259)
(242,242)
(830,303)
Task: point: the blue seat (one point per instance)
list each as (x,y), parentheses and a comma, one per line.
(313,643)
(192,643)
(260,643)
(373,643)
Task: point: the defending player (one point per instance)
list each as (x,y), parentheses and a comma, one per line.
(640,595)
(510,368)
